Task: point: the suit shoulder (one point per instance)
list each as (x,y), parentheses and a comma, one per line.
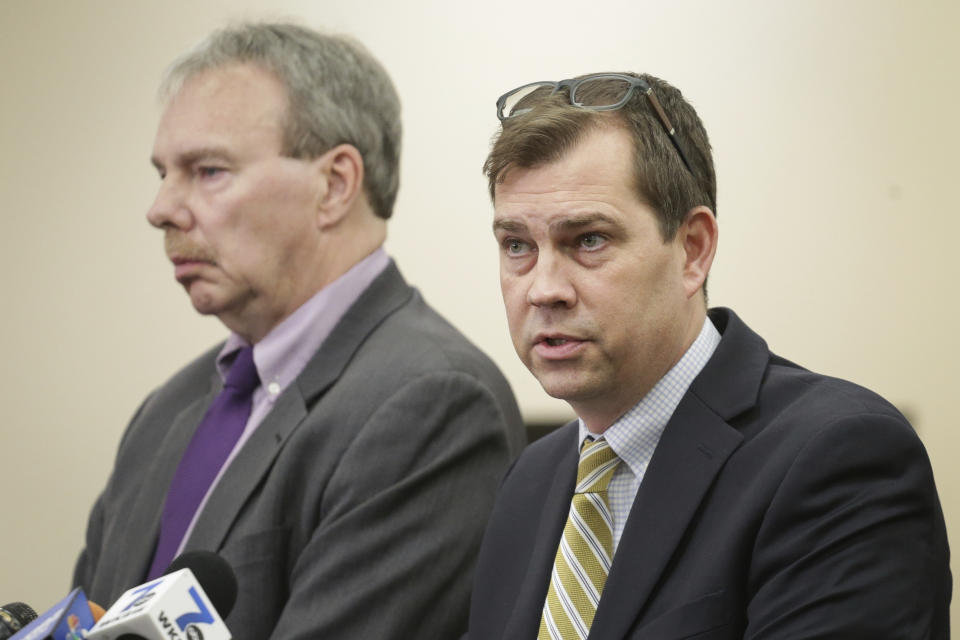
(821,397)
(416,338)
(190,383)
(415,343)
(796,408)
(744,377)
(191,380)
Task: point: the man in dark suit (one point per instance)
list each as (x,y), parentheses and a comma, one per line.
(709,489)
(366,435)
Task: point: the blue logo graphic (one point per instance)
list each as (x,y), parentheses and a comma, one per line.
(203,616)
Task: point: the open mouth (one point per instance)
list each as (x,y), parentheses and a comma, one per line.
(558,347)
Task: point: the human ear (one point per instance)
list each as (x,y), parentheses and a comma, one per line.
(698,238)
(341,171)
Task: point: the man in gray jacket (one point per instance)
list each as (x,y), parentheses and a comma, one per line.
(341,449)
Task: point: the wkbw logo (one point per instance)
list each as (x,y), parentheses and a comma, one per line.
(188,623)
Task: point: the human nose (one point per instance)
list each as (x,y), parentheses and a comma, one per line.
(550,284)
(170,208)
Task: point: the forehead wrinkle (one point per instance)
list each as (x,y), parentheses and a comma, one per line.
(237,104)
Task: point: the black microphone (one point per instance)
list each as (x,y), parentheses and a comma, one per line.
(214,574)
(13,617)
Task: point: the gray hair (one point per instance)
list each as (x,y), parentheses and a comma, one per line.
(338,93)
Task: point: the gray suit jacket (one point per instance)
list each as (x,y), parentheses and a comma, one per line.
(356,508)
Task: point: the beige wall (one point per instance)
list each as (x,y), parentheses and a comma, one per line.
(834,125)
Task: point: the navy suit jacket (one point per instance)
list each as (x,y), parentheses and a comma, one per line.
(778,504)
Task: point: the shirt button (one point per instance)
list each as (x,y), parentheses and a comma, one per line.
(273,389)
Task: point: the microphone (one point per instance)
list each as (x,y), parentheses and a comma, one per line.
(214,574)
(188,602)
(68,619)
(13,617)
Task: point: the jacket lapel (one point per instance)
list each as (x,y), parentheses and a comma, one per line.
(246,471)
(695,445)
(385,295)
(525,617)
(132,554)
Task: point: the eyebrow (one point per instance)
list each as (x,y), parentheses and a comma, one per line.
(509,226)
(577,222)
(566,225)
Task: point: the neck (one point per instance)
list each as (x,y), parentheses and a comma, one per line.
(600,414)
(345,245)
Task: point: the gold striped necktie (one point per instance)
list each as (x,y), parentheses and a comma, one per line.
(586,549)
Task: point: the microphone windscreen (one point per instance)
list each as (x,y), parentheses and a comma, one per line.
(215,576)
(23,612)
(15,616)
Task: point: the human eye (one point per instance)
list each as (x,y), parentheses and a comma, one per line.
(515,247)
(592,241)
(209,171)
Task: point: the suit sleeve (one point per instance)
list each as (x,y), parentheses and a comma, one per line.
(402,518)
(853,544)
(87,561)
(86,566)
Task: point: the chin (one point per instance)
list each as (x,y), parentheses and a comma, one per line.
(560,379)
(569,390)
(205,305)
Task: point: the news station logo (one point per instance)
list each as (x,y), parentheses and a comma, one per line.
(172,607)
(189,622)
(172,627)
(141,600)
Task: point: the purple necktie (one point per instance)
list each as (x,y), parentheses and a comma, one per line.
(212,442)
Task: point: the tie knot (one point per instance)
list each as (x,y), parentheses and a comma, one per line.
(242,376)
(597,464)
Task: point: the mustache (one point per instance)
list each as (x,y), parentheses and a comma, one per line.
(178,245)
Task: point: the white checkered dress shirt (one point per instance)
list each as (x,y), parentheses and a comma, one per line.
(636,433)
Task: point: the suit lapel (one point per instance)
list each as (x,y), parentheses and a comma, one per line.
(694,447)
(245,472)
(385,295)
(525,617)
(133,555)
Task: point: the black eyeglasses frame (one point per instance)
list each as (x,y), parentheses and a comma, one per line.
(572,84)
